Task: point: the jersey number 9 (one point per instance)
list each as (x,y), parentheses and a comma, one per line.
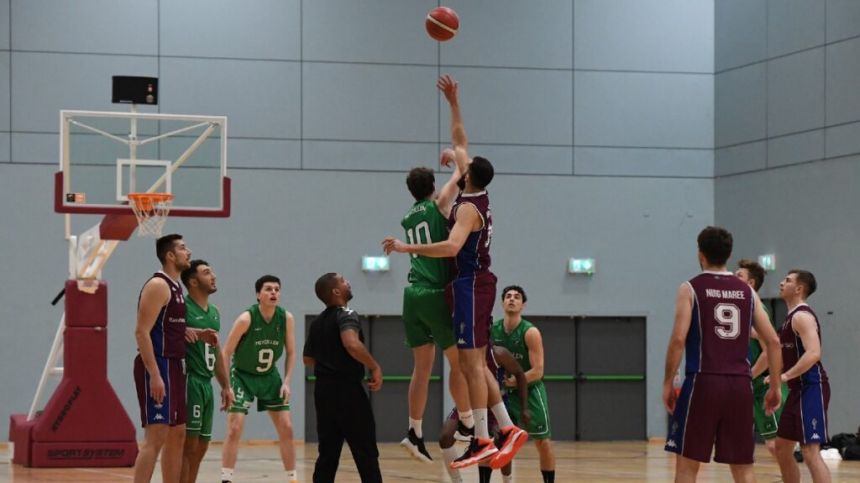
(265,357)
(728,316)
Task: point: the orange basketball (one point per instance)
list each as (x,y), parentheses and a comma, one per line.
(442,23)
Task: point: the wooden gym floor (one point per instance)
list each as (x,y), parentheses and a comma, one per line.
(592,462)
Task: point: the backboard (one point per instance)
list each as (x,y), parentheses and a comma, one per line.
(106,155)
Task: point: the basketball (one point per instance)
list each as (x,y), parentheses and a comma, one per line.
(442,23)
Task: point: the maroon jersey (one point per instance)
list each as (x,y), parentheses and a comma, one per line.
(168,333)
(474,257)
(719,336)
(792,350)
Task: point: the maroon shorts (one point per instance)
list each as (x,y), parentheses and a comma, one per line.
(714,410)
(804,417)
(471,300)
(172,409)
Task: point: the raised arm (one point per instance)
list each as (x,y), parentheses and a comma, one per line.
(153,297)
(448,193)
(459,141)
(683,311)
(468,221)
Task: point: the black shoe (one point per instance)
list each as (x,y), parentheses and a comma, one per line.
(415,446)
(479,449)
(463,433)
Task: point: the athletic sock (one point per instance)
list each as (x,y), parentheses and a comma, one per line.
(548,476)
(449,455)
(481,428)
(484,474)
(508,478)
(291,476)
(467,419)
(226,474)
(501,414)
(415,425)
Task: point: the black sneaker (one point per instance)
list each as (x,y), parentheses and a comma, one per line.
(479,449)
(415,446)
(464,433)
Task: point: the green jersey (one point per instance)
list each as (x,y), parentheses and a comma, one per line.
(754,352)
(425,224)
(515,342)
(200,356)
(263,343)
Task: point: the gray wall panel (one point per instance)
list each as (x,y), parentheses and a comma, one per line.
(652,35)
(263,153)
(369,102)
(368,31)
(843,19)
(562,409)
(95,26)
(511,33)
(220,28)
(5,147)
(5,23)
(796,148)
(260,98)
(794,25)
(843,140)
(739,159)
(741,105)
(644,162)
(741,36)
(505,106)
(86,85)
(36,148)
(843,75)
(795,92)
(649,110)
(526,159)
(370,156)
(5,59)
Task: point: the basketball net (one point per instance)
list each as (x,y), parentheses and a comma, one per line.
(151,210)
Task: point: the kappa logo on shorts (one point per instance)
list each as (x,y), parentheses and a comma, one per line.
(815,436)
(671,444)
(158,417)
(461,341)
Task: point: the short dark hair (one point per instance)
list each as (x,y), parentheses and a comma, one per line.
(258,285)
(164,245)
(515,288)
(805,278)
(421,182)
(715,243)
(191,271)
(324,286)
(481,171)
(756,272)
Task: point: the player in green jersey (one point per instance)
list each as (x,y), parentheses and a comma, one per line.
(766,426)
(523,340)
(257,340)
(426,315)
(202,361)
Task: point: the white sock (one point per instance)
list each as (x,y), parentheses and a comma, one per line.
(466,418)
(415,424)
(508,478)
(449,455)
(481,428)
(501,414)
(291,476)
(227,474)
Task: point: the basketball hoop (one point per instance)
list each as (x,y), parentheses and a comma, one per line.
(151,210)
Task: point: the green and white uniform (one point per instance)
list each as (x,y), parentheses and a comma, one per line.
(254,374)
(766,426)
(515,342)
(200,367)
(426,315)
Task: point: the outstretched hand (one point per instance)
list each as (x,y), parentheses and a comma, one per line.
(448,86)
(391,244)
(446,159)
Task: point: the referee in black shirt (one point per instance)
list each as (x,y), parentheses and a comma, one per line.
(335,347)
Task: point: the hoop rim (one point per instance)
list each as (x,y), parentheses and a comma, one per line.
(155,197)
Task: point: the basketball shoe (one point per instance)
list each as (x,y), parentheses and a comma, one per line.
(464,433)
(415,446)
(479,449)
(510,440)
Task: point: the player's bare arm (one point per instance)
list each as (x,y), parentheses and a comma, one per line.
(468,220)
(450,88)
(445,200)
(509,363)
(683,313)
(153,297)
(223,378)
(770,346)
(240,326)
(803,324)
(534,342)
(358,351)
(289,360)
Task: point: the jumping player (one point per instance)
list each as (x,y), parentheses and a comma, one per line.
(713,315)
(257,340)
(804,418)
(472,292)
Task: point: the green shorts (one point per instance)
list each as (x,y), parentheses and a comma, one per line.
(201,407)
(539,426)
(265,388)
(766,426)
(427,317)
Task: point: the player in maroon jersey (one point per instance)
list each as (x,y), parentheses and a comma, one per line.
(472,292)
(713,314)
(804,418)
(159,368)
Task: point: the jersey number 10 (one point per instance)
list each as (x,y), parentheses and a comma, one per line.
(414,235)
